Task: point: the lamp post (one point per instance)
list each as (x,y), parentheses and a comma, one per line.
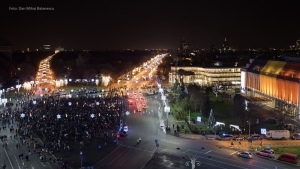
(249,127)
(80,153)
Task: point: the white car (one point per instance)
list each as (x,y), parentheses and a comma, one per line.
(125,128)
(245,154)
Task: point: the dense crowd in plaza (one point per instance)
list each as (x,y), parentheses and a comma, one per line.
(62,121)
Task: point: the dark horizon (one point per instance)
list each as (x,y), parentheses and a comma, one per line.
(126,25)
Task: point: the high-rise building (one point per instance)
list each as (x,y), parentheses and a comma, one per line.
(183,46)
(298,44)
(225,46)
(212,49)
(46,48)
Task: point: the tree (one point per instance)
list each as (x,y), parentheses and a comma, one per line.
(206,107)
(239,107)
(285,112)
(208,90)
(195,97)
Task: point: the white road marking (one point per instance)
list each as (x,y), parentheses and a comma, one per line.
(127,157)
(214,165)
(49,164)
(233,153)
(107,155)
(8,159)
(17,162)
(257,166)
(186,151)
(208,152)
(118,156)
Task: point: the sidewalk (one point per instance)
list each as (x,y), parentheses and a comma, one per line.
(172,121)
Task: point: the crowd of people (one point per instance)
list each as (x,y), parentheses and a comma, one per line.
(60,121)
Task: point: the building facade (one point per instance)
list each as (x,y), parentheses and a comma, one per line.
(276,80)
(206,75)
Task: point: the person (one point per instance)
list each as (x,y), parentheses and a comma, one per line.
(140,139)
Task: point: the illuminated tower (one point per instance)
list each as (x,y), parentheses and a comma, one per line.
(225,46)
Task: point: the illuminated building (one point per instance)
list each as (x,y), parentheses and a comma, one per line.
(277,81)
(225,46)
(46,48)
(183,46)
(206,75)
(298,44)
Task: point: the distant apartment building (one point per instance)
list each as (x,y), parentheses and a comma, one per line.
(184,46)
(298,44)
(278,81)
(46,48)
(59,49)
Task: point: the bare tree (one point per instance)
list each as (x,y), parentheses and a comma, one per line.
(239,107)
(284,111)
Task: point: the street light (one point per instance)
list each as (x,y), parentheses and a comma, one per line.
(249,127)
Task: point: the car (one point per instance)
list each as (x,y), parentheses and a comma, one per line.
(266,153)
(122,134)
(225,137)
(255,137)
(269,150)
(296,136)
(239,138)
(245,154)
(125,129)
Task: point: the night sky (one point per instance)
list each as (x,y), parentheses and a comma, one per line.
(130,24)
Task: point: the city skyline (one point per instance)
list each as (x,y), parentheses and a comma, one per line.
(128,25)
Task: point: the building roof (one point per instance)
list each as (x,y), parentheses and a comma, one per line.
(4,42)
(277,69)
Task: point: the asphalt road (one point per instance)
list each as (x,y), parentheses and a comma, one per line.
(10,155)
(173,152)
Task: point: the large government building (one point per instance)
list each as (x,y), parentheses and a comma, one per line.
(206,75)
(278,81)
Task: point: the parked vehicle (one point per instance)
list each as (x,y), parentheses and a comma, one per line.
(266,153)
(288,157)
(296,136)
(239,138)
(255,137)
(225,137)
(245,154)
(278,134)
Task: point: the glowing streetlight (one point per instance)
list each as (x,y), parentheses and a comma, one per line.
(58,116)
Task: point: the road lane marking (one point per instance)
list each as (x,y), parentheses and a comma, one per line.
(127,157)
(118,155)
(107,155)
(49,165)
(8,159)
(233,153)
(163,150)
(17,162)
(227,163)
(213,165)
(232,160)
(208,152)
(186,151)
